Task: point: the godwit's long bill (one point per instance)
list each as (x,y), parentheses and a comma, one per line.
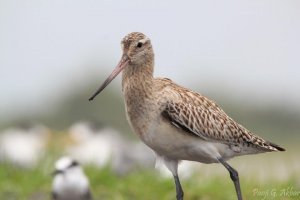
(177,123)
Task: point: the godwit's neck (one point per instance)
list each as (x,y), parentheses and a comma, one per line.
(138,78)
(138,89)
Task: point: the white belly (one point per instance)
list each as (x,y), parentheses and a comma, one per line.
(172,142)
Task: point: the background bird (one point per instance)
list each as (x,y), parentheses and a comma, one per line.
(177,123)
(70,182)
(24,146)
(103,146)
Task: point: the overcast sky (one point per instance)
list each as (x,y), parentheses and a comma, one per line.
(247,49)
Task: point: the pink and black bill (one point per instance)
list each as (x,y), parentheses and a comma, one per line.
(122,64)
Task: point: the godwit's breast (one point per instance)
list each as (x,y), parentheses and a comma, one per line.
(167,140)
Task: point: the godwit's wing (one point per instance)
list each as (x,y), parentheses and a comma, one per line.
(202,117)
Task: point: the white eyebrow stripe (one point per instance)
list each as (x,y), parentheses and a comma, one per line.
(144,40)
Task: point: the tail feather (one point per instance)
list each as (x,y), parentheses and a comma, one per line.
(264,144)
(275,146)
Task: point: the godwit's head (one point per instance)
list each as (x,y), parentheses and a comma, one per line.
(137,47)
(137,52)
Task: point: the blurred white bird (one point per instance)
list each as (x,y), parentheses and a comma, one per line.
(70,182)
(131,156)
(102,146)
(93,144)
(23,147)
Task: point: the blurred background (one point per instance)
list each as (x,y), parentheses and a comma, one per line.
(55,54)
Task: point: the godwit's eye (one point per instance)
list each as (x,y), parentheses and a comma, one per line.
(139,44)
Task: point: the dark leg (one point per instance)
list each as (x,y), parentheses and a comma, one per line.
(234,177)
(179,191)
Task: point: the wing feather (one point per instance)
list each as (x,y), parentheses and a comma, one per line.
(202,117)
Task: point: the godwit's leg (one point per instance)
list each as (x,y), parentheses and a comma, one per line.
(234,177)
(179,191)
(172,165)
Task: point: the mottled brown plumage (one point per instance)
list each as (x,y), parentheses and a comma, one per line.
(204,118)
(177,123)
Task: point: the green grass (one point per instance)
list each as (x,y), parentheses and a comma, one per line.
(24,184)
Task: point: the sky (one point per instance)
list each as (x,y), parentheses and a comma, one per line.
(247,50)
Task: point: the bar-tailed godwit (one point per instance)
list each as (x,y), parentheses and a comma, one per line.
(177,123)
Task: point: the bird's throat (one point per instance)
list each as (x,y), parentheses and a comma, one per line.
(137,86)
(137,80)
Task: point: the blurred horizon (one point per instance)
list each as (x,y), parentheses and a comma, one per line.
(245,52)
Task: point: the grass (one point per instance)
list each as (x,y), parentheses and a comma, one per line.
(35,184)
